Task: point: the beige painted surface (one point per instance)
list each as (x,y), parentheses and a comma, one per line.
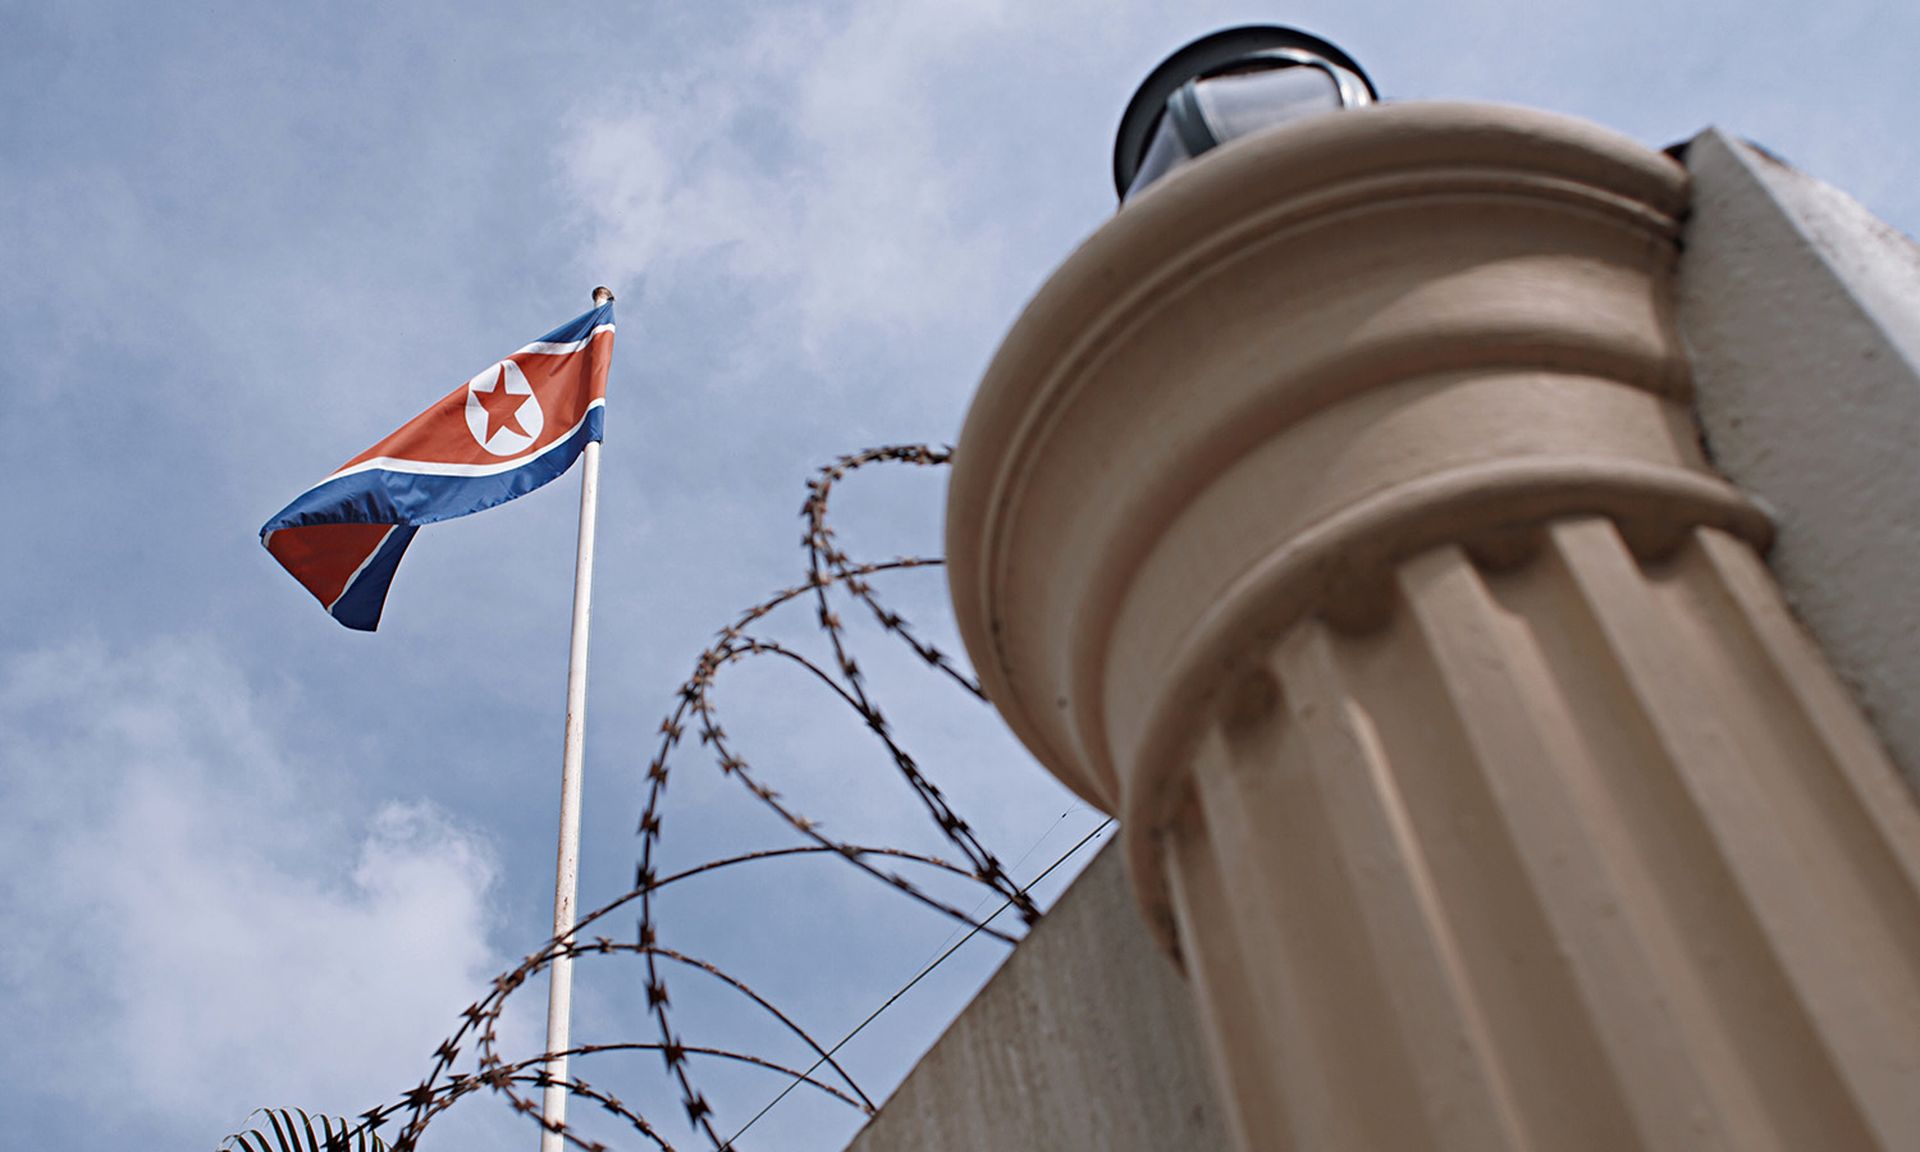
(1803,314)
(1085,1041)
(1583,853)
(1337,517)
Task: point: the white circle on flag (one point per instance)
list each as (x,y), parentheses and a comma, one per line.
(498,424)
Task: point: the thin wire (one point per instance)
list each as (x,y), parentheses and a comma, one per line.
(875,1014)
(1014,867)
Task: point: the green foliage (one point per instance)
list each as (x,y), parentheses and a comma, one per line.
(295,1131)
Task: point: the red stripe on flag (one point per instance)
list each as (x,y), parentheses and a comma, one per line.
(323,557)
(565,386)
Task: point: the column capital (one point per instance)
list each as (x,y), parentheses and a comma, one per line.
(1284,368)
(1336,516)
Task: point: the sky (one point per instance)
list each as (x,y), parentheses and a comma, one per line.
(249,858)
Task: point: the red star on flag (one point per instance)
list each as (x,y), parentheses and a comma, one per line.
(503,407)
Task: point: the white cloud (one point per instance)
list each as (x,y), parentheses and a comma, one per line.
(194,920)
(810,158)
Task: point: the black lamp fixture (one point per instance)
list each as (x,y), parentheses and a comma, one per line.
(1229,84)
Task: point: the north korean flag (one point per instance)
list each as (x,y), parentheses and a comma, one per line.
(516,425)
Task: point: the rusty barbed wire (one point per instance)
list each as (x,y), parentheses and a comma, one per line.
(829,569)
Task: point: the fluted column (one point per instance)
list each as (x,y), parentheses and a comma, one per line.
(1336,517)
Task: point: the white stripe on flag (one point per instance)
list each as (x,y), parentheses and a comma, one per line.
(434,468)
(348,586)
(539,349)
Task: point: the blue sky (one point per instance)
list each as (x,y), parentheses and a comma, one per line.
(251,858)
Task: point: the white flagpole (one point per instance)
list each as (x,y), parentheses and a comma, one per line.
(566,873)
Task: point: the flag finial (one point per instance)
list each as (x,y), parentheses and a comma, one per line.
(602,295)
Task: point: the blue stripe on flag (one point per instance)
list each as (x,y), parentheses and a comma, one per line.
(383,496)
(579,328)
(359,606)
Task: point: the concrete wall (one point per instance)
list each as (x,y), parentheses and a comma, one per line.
(1085,1039)
(1802,311)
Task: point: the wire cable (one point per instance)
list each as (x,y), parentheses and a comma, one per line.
(875,1014)
(1012,868)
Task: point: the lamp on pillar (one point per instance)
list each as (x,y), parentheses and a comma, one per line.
(1227,85)
(1337,518)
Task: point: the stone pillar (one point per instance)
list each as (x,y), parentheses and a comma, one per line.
(1336,517)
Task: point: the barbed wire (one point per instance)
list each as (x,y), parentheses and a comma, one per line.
(829,570)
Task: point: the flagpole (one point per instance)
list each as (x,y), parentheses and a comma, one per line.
(566,872)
